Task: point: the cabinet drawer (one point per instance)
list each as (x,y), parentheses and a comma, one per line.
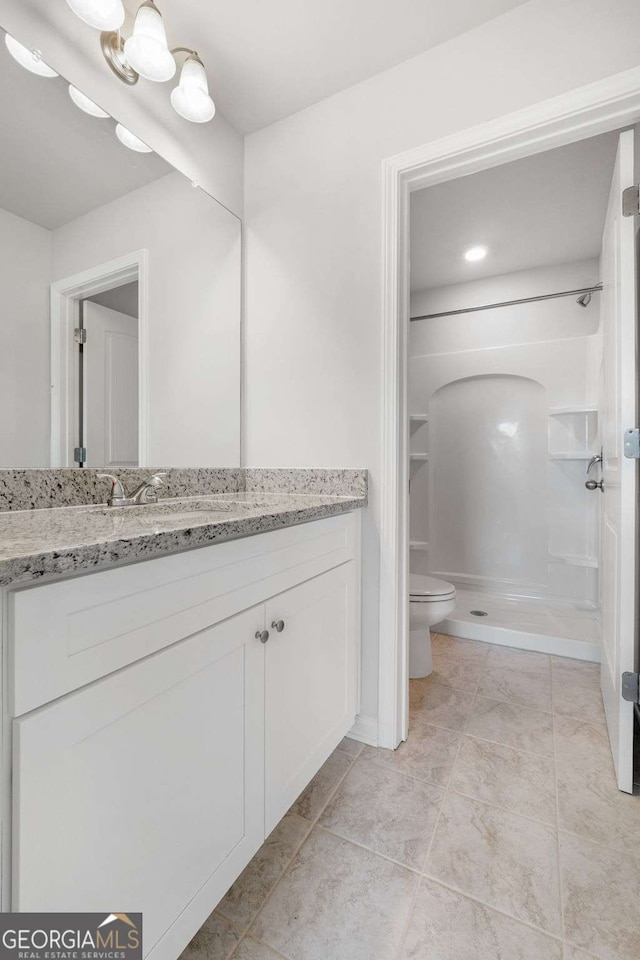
(67,634)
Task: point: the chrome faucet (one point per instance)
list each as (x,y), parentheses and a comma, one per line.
(145,492)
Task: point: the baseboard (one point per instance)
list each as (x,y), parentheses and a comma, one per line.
(537,642)
(365,729)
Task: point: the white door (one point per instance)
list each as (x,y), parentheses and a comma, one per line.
(146,788)
(618,518)
(110,387)
(310,682)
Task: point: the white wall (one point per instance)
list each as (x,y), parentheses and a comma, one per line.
(194,311)
(25,269)
(313,208)
(211,153)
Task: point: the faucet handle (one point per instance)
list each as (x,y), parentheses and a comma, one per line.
(117,490)
(156,480)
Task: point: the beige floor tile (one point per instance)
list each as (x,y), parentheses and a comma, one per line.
(439,704)
(517,676)
(251,949)
(443,645)
(600,898)
(573,953)
(513,725)
(215,940)
(520,782)
(350,746)
(385,811)
(337,902)
(579,741)
(447,926)
(254,884)
(457,672)
(313,798)
(576,690)
(502,859)
(428,753)
(589,802)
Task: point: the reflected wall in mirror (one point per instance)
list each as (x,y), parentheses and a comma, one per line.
(120,334)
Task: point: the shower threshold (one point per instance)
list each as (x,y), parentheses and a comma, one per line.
(565,628)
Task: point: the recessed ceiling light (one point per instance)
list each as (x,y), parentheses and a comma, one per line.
(31,60)
(475,253)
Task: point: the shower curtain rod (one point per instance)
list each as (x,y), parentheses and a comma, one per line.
(511,303)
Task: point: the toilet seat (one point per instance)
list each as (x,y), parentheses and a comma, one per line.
(423,589)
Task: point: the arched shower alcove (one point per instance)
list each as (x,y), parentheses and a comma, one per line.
(487,484)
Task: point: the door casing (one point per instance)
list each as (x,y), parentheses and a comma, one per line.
(64,296)
(600,107)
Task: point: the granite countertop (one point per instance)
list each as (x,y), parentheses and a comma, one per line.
(63,541)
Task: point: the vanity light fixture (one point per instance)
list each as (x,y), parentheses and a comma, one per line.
(82,101)
(191,97)
(146,49)
(146,54)
(100,14)
(473,254)
(31,60)
(130,140)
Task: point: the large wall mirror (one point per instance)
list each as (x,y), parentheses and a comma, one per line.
(121,291)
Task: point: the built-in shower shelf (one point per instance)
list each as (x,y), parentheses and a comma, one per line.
(563,411)
(419,418)
(419,544)
(417,457)
(572,560)
(570,455)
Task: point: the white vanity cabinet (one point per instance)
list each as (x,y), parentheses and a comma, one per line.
(309,670)
(149,787)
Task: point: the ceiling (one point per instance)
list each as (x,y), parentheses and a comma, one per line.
(57,162)
(549,208)
(266,61)
(124,299)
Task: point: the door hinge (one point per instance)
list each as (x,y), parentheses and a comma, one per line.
(631,687)
(80,335)
(632,444)
(631,201)
(79,454)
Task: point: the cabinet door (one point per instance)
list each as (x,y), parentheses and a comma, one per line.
(310,682)
(144,791)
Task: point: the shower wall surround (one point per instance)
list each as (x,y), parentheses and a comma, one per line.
(501,436)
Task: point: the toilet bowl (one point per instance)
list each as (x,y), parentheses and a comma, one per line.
(430,601)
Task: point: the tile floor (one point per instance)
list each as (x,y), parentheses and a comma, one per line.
(496,832)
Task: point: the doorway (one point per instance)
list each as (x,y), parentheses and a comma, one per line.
(480,149)
(99,344)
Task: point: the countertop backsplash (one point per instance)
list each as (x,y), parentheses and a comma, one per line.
(41,489)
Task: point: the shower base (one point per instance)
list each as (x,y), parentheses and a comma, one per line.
(563,627)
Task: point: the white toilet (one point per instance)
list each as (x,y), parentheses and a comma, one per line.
(431,600)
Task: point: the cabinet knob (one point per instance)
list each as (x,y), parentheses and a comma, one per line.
(278,625)
(262,635)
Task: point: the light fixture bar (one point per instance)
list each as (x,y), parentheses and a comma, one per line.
(112,46)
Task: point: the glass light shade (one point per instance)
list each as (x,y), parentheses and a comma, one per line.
(191,97)
(81,100)
(31,60)
(130,140)
(101,14)
(146,49)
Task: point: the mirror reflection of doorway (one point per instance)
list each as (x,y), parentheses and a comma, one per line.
(108,379)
